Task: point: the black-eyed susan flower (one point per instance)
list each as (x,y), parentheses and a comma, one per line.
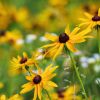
(67,94)
(13,37)
(89,20)
(39,81)
(67,38)
(21,64)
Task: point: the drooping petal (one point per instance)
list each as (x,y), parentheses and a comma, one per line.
(39,91)
(52,49)
(26,88)
(35,93)
(49,45)
(71,47)
(58,51)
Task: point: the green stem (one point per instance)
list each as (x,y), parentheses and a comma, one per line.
(47,94)
(77,73)
(98,38)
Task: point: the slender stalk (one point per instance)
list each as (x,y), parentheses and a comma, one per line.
(47,94)
(98,38)
(77,73)
(27,68)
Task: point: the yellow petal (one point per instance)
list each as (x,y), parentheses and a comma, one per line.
(58,51)
(99,12)
(77,40)
(71,47)
(25,55)
(47,69)
(49,76)
(88,15)
(27,87)
(83,19)
(49,45)
(52,49)
(35,93)
(51,37)
(39,91)
(67,30)
(52,84)
(51,70)
(84,24)
(29,78)
(82,33)
(74,31)
(72,90)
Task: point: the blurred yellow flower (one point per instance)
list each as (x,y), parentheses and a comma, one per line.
(89,20)
(11,37)
(39,81)
(1,85)
(67,38)
(58,2)
(3,97)
(21,64)
(54,18)
(67,94)
(16,97)
(4,17)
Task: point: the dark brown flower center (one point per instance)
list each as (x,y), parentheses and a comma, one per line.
(63,38)
(96,18)
(37,79)
(23,60)
(60,93)
(2,33)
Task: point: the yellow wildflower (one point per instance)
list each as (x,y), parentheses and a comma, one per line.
(39,81)
(67,38)
(90,21)
(3,97)
(67,94)
(20,64)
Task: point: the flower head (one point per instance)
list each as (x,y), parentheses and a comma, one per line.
(39,81)
(67,38)
(90,21)
(20,64)
(67,94)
